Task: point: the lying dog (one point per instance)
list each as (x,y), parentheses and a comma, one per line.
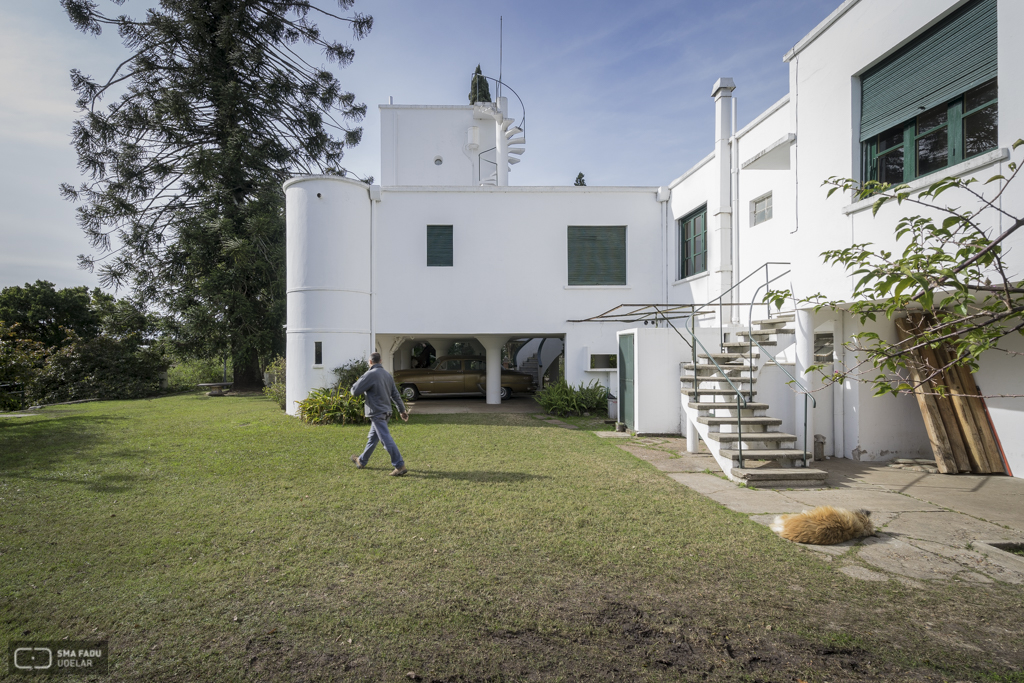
(824,525)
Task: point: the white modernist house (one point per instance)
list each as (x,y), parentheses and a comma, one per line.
(445,250)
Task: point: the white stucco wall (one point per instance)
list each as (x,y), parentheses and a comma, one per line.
(413,136)
(695,188)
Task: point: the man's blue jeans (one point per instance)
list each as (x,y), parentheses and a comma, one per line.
(379,433)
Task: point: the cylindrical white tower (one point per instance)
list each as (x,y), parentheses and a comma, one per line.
(328,246)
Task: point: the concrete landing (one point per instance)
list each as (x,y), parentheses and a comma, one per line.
(927,524)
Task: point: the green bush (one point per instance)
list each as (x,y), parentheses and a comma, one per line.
(101,367)
(348,374)
(187,375)
(561,398)
(275,391)
(332,406)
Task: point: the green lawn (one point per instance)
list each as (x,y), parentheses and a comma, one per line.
(217,539)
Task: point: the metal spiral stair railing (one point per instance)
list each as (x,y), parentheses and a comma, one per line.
(516,145)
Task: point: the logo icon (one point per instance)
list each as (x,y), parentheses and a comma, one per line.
(33,658)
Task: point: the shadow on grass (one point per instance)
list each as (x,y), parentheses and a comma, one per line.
(33,450)
(480,476)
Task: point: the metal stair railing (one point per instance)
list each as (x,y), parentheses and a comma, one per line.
(690,326)
(750,337)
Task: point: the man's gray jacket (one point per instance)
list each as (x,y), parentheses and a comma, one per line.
(380,391)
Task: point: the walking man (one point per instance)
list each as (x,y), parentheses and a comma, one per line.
(380,390)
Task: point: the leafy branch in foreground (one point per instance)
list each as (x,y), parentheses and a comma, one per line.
(952,270)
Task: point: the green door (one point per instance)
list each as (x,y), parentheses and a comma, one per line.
(626,380)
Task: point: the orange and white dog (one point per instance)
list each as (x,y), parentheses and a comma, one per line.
(824,525)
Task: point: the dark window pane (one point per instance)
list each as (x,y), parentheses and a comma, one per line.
(980,130)
(890,167)
(318,353)
(931,118)
(932,152)
(986,92)
(891,138)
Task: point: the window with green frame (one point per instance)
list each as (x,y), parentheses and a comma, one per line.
(942,136)
(693,243)
(934,102)
(597,255)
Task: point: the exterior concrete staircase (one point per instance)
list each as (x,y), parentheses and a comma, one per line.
(710,404)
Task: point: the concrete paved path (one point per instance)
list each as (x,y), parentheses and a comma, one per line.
(927,524)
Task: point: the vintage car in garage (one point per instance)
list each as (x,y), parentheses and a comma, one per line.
(458,375)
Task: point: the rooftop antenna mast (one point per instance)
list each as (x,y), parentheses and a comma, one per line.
(501,49)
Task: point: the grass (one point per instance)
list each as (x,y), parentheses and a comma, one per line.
(217,539)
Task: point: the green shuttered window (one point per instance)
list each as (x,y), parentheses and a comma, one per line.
(693,243)
(439,245)
(955,55)
(597,255)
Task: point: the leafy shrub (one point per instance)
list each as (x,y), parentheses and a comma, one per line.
(561,398)
(332,406)
(20,362)
(348,374)
(275,391)
(187,375)
(101,367)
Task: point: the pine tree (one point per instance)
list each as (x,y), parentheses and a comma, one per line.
(479,91)
(183,197)
(580,182)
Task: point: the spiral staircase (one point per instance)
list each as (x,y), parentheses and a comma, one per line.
(513,145)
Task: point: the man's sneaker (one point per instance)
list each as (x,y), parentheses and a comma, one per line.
(399,471)
(355,461)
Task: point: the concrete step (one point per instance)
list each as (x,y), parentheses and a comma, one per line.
(727,357)
(706,405)
(747,345)
(769,437)
(717,392)
(730,370)
(781,477)
(764,421)
(770,330)
(765,453)
(736,379)
(776,319)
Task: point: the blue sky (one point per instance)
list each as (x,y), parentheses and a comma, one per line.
(619,91)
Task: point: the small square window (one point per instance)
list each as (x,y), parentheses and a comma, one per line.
(761,209)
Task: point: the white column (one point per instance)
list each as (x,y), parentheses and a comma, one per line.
(501,151)
(405,356)
(692,439)
(492,345)
(804,359)
(720,204)
(838,393)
